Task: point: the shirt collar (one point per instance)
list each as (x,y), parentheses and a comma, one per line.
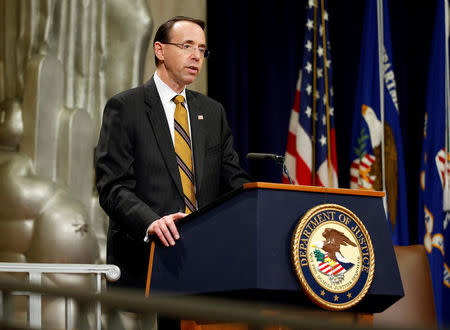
(165,92)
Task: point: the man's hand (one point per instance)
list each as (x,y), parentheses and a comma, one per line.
(165,228)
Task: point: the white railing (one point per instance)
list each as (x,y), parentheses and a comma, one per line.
(35,271)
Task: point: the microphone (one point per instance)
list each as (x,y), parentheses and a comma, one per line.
(261,156)
(277,158)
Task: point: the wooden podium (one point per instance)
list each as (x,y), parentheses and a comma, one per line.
(240,247)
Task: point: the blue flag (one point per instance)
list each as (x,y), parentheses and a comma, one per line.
(369,132)
(433,220)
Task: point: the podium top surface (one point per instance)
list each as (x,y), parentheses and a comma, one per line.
(280,186)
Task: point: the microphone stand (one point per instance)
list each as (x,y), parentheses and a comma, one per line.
(279,160)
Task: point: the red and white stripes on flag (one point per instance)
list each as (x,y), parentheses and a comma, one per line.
(299,157)
(359,173)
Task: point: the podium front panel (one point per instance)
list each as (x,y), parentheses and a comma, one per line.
(241,247)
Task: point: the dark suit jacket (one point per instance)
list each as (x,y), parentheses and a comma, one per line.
(137,175)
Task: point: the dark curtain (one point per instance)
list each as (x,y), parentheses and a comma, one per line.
(257,49)
(253,72)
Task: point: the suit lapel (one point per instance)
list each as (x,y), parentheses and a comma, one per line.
(198,136)
(158,120)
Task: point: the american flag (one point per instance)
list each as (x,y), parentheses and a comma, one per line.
(311,148)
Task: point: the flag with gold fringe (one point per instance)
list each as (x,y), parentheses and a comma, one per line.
(376,132)
(434,205)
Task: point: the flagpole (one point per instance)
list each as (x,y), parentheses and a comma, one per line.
(313,167)
(381,82)
(327,104)
(446,201)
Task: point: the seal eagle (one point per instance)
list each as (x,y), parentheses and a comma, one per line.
(333,241)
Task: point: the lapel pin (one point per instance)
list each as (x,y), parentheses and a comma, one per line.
(200,117)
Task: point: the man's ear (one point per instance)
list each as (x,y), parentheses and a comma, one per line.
(158,49)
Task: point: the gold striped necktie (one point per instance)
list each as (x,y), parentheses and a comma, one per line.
(183,151)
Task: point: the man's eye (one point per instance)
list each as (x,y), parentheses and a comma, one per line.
(187,46)
(202,50)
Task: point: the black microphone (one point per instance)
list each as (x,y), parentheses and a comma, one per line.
(259,156)
(277,158)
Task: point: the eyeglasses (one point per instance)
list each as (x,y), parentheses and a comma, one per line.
(189,48)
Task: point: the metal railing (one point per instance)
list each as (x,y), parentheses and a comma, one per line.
(255,315)
(35,271)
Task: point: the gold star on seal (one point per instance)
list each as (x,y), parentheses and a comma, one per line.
(349,295)
(336,298)
(322,293)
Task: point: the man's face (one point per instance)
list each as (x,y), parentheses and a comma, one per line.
(182,66)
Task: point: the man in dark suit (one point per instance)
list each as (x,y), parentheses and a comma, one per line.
(140,178)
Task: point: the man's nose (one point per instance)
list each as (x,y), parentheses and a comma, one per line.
(196,53)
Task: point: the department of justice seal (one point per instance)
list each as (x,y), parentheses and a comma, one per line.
(333,256)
